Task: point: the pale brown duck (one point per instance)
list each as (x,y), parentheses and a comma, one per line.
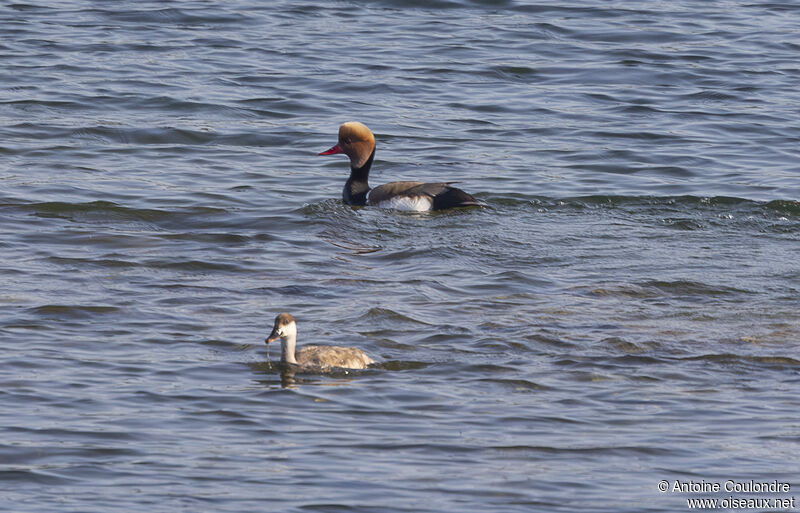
(314,357)
(357,142)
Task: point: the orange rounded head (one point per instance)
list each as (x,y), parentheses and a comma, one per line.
(356,141)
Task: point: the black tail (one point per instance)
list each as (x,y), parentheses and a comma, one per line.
(453,197)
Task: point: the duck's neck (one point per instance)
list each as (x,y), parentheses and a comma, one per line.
(357,186)
(288,344)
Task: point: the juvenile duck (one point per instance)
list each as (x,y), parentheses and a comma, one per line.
(323,357)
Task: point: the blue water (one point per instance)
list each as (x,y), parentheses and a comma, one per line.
(625,311)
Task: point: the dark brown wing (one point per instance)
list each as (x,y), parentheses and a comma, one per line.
(442,193)
(391,190)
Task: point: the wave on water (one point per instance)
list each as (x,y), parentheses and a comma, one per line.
(626,306)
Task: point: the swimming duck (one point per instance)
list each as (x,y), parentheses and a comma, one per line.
(357,142)
(320,357)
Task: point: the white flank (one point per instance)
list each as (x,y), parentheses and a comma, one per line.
(408,203)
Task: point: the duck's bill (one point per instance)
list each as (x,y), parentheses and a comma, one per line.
(332,151)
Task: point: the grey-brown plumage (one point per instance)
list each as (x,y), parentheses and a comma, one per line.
(357,142)
(314,357)
(441,194)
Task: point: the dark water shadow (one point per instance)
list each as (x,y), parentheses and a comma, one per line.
(292,375)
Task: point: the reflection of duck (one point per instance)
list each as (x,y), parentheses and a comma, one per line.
(320,357)
(357,142)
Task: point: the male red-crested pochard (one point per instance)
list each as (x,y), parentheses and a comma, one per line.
(314,357)
(357,142)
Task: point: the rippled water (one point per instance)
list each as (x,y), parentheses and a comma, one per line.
(625,311)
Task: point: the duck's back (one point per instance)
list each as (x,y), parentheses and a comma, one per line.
(420,196)
(333,356)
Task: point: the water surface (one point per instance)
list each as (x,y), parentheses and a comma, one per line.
(624,312)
